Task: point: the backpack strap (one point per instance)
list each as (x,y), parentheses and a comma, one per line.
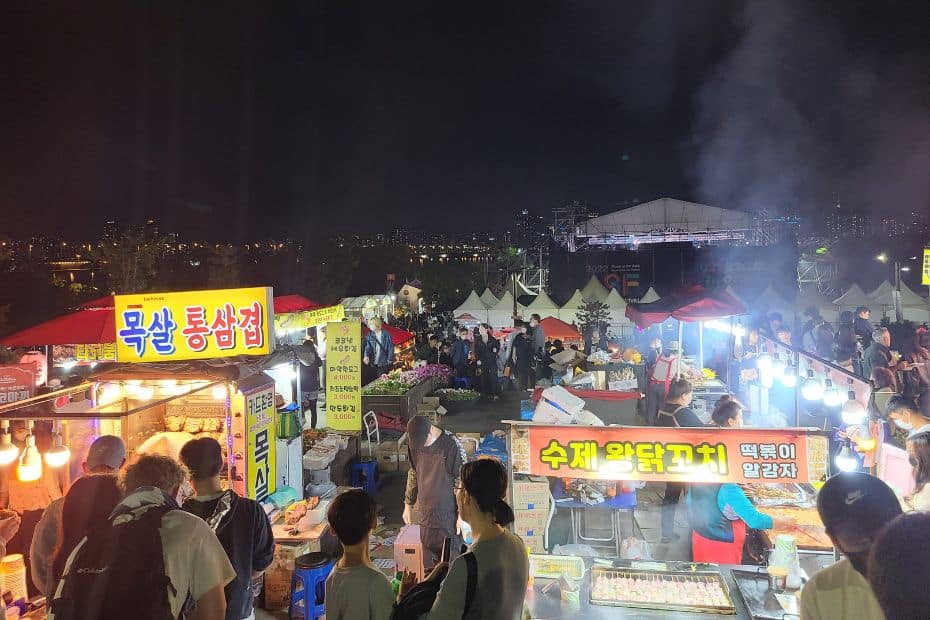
(471,584)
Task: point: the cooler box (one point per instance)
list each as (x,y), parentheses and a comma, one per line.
(408,551)
(557,406)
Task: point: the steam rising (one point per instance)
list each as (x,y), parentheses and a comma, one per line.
(810,105)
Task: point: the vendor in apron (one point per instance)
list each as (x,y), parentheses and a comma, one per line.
(667,368)
(721,513)
(436,459)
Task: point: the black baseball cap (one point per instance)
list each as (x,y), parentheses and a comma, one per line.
(855,505)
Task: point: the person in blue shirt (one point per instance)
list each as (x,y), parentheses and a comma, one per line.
(461,350)
(379,348)
(721,513)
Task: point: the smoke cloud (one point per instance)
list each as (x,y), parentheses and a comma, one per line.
(817,100)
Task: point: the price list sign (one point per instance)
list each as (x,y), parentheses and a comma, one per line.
(344,375)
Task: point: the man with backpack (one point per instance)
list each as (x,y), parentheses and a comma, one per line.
(154,562)
(240,523)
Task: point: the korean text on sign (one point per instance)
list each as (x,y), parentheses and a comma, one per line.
(344,375)
(670,454)
(194,325)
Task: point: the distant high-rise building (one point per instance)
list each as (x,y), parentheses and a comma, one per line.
(150,229)
(110,230)
(846,223)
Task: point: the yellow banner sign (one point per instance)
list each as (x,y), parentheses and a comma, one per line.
(105,352)
(162,327)
(260,447)
(344,375)
(309,318)
(925,272)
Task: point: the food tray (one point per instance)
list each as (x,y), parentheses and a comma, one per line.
(808,532)
(554,566)
(777,494)
(656,581)
(761,602)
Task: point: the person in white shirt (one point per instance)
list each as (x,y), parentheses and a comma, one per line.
(193,559)
(854,507)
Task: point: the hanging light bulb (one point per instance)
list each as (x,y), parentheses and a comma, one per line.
(145,392)
(846,460)
(219,392)
(764,362)
(790,377)
(812,388)
(778,366)
(853,411)
(8,452)
(110,393)
(30,463)
(832,396)
(58,454)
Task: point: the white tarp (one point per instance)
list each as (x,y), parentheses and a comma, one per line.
(853,297)
(617,307)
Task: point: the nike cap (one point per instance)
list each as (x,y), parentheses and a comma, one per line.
(855,505)
(106,451)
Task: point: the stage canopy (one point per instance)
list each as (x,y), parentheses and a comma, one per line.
(694,305)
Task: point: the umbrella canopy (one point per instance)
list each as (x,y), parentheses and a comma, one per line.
(556,329)
(694,305)
(398,335)
(854,296)
(569,311)
(649,296)
(88,326)
(488,298)
(543,306)
(288,304)
(466,317)
(594,290)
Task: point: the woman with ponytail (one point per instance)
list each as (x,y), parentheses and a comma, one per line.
(499,563)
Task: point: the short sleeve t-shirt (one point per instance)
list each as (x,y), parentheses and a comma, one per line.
(839,591)
(358,593)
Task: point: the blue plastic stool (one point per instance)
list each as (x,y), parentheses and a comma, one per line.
(308,586)
(462,382)
(365,475)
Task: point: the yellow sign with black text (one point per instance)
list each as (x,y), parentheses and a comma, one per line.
(309,318)
(260,445)
(344,375)
(925,272)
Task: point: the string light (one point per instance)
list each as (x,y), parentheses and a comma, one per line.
(853,411)
(30,463)
(778,366)
(812,388)
(846,460)
(790,377)
(58,454)
(8,452)
(832,396)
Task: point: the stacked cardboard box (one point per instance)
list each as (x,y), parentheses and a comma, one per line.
(531,501)
(431,408)
(278,575)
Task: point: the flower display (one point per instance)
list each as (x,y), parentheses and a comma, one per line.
(456,394)
(400,381)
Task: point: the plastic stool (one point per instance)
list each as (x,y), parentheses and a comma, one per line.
(364,474)
(463,382)
(308,586)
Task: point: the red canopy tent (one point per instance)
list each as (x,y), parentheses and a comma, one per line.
(398,335)
(94,323)
(691,306)
(556,329)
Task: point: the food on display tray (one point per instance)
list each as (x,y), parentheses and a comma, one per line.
(808,532)
(667,590)
(775,494)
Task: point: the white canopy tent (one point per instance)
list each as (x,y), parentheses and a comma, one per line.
(772,301)
(501,315)
(617,307)
(488,298)
(594,290)
(853,297)
(473,306)
(913,306)
(649,296)
(569,311)
(810,296)
(543,306)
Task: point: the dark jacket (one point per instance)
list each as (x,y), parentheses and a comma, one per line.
(460,350)
(486,352)
(863,329)
(876,356)
(245,533)
(379,352)
(670,413)
(523,351)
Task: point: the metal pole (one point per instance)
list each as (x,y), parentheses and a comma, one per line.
(797,389)
(898,313)
(681,346)
(700,346)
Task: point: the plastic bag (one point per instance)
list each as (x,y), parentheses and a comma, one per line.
(633,548)
(582,551)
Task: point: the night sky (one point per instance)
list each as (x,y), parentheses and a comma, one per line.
(236,120)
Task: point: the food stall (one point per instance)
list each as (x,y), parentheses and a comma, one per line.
(604,587)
